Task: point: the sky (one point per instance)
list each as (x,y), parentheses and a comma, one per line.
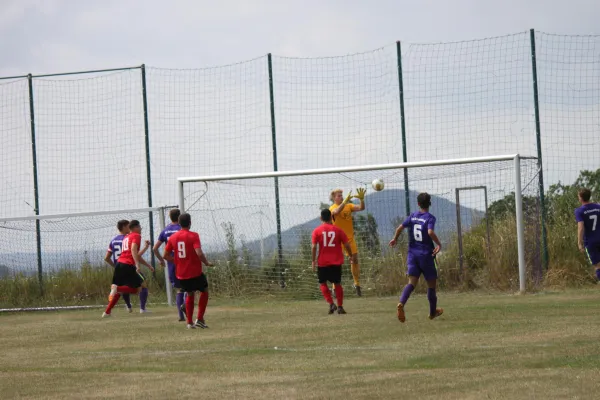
(48,36)
(462,100)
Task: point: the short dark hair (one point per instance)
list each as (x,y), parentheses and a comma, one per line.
(174,214)
(585,194)
(424,200)
(134,223)
(326,215)
(122,224)
(185,220)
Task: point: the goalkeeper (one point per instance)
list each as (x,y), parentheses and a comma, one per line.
(341,211)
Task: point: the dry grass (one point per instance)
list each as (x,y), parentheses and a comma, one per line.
(485,346)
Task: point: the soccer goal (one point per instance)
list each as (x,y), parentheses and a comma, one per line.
(57,261)
(257,227)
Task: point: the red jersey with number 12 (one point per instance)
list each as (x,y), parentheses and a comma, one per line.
(126,257)
(184,244)
(330,240)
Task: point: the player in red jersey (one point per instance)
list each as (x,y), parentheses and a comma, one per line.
(184,249)
(330,239)
(127,277)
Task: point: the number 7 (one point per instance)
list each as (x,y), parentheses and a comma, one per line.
(595,219)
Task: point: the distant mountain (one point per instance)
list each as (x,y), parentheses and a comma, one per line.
(386,207)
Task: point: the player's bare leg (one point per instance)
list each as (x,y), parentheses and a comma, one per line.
(434,311)
(406,292)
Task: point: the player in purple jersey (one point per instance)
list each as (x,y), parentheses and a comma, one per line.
(421,255)
(163,238)
(114,251)
(588,229)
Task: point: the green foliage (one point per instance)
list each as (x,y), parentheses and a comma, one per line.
(366,234)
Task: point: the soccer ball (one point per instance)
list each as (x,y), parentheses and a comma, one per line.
(377,184)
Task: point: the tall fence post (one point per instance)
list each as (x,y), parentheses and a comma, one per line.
(148,174)
(275,168)
(538,136)
(403,125)
(36,197)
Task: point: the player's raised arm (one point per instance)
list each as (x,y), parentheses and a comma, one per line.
(337,195)
(146,246)
(399,230)
(360,195)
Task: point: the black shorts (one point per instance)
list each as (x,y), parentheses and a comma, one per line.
(197,284)
(126,275)
(331,273)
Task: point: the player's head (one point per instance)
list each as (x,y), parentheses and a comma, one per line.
(424,201)
(585,195)
(123,226)
(337,196)
(326,215)
(135,226)
(174,214)
(185,220)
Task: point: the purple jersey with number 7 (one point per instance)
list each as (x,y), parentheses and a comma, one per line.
(589,214)
(115,247)
(417,224)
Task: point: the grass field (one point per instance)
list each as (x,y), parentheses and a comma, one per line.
(485,346)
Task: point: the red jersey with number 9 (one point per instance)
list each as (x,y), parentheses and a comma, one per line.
(330,240)
(126,256)
(184,244)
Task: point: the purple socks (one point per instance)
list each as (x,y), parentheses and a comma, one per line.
(598,274)
(143,298)
(408,289)
(179,300)
(432,297)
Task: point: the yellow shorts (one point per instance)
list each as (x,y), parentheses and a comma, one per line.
(353,247)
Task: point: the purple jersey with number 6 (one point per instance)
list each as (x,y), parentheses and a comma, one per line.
(115,247)
(417,224)
(420,258)
(589,214)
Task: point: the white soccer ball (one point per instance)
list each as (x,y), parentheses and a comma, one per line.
(377,184)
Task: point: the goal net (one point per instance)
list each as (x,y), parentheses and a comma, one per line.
(54,261)
(256,228)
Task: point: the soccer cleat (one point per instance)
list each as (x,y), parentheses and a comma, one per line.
(341,310)
(105,315)
(332,308)
(201,324)
(182,309)
(129,309)
(145,311)
(181,319)
(191,326)
(400,313)
(438,312)
(358,291)
(113,291)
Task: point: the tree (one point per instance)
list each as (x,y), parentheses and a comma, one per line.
(366,233)
(232,254)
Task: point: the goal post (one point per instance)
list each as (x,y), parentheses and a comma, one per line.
(73,246)
(218,200)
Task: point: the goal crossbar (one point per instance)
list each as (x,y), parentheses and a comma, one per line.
(516,158)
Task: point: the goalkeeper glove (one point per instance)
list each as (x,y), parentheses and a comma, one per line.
(347,199)
(360,194)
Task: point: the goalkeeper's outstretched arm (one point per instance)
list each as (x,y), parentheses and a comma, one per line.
(360,195)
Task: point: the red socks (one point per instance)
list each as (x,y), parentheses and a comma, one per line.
(327,293)
(189,307)
(339,294)
(112,303)
(202,305)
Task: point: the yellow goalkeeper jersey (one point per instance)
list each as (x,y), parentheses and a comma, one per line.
(344,219)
